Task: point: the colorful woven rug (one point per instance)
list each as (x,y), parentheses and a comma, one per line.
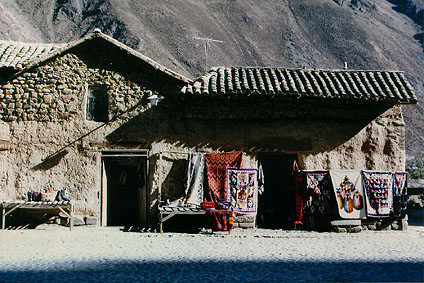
(242,189)
(379,191)
(349,193)
(400,193)
(318,193)
(216,169)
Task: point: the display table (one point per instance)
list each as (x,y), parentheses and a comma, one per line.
(65,207)
(166,212)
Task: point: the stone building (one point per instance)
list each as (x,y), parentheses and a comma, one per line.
(77,116)
(59,104)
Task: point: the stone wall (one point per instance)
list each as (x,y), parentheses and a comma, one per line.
(57,91)
(43,109)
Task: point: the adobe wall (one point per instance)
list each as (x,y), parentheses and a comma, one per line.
(44,109)
(380,145)
(354,143)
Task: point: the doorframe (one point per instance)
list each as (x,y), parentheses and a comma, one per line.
(260,155)
(120,153)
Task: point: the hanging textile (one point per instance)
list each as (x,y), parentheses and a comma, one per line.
(378,187)
(261,180)
(298,180)
(242,189)
(349,193)
(400,193)
(318,192)
(216,168)
(195,173)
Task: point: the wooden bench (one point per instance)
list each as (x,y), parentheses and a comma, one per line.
(166,212)
(65,207)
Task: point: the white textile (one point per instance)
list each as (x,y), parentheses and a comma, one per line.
(195,177)
(347,186)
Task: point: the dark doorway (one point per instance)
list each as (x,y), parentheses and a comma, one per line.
(124,182)
(276,205)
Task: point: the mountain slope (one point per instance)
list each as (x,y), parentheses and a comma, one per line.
(289,33)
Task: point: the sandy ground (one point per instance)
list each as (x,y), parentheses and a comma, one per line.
(109,254)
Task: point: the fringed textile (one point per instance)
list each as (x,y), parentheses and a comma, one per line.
(216,168)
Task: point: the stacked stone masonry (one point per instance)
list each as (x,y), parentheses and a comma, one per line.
(53,92)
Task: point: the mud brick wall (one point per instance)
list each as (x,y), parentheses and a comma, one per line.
(44,109)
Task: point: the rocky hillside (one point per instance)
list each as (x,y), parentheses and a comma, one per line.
(367,34)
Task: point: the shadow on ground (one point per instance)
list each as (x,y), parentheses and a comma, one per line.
(222,271)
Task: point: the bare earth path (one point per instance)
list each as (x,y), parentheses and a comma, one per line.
(108,254)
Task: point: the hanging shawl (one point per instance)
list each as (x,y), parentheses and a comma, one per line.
(349,194)
(261,180)
(195,173)
(298,181)
(318,188)
(379,191)
(400,193)
(216,168)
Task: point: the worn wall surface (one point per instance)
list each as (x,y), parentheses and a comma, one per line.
(43,109)
(365,137)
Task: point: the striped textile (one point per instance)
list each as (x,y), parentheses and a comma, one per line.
(216,169)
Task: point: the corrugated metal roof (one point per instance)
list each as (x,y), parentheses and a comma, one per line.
(18,54)
(390,86)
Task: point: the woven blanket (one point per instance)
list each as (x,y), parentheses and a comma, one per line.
(195,173)
(400,193)
(379,191)
(221,220)
(242,189)
(318,192)
(216,168)
(349,193)
(399,184)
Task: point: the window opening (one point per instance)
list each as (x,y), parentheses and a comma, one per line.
(97,104)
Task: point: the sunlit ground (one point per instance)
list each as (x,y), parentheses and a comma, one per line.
(111,255)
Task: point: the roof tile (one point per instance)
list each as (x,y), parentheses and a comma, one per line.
(337,84)
(18,54)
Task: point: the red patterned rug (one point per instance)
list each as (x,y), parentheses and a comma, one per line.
(216,168)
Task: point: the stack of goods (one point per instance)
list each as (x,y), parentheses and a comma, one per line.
(49,195)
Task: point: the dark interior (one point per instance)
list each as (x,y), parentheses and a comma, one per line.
(126,191)
(276,206)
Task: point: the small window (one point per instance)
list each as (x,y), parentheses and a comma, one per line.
(97,104)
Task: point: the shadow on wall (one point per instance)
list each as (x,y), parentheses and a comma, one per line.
(173,186)
(302,130)
(221,271)
(51,161)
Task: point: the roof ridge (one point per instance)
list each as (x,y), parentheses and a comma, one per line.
(303,69)
(66,46)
